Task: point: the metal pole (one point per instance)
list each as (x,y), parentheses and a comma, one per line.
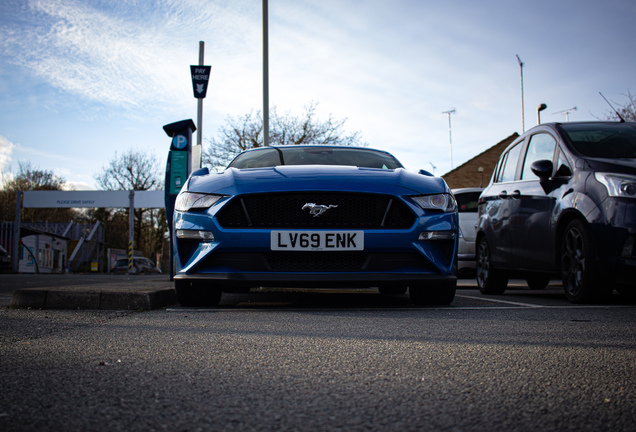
(265,76)
(200,100)
(540,108)
(523,120)
(196,164)
(15,254)
(450,136)
(131,229)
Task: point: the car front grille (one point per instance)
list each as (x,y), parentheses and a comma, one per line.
(289,210)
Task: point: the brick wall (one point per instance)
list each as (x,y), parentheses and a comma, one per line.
(468,174)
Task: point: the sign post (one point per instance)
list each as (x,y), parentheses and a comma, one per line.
(200,77)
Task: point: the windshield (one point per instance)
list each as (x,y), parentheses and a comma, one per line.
(612,140)
(275,156)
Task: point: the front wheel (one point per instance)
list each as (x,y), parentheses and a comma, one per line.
(579,272)
(197,293)
(489,279)
(434,293)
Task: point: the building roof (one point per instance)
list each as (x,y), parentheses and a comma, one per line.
(477,171)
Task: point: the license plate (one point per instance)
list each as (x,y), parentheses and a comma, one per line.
(317,240)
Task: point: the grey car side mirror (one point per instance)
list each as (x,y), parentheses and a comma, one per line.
(542,169)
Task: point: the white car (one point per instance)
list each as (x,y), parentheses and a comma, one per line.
(467,199)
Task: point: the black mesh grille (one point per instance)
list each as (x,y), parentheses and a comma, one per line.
(362,211)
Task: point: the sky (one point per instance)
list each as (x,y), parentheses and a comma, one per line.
(83,81)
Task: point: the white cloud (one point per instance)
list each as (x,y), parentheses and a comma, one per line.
(6,149)
(109,54)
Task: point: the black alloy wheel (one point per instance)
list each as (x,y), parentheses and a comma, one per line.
(489,279)
(579,272)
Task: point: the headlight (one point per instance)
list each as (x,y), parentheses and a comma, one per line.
(187,201)
(618,185)
(444,202)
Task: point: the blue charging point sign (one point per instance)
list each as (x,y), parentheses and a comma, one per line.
(180,142)
(177,168)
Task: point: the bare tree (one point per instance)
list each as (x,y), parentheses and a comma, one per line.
(133,170)
(626,111)
(139,171)
(245,132)
(30,178)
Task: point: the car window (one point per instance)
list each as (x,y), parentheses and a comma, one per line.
(258,159)
(564,169)
(541,146)
(318,155)
(509,167)
(121,262)
(613,140)
(467,201)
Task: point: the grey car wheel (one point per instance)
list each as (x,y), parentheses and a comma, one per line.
(578,268)
(489,279)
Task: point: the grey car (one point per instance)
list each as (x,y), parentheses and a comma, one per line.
(140,265)
(562,203)
(467,206)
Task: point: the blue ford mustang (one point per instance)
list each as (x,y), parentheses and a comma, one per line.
(315,216)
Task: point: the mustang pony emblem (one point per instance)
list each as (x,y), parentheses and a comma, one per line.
(317,209)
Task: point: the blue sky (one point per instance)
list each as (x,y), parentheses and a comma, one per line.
(82,81)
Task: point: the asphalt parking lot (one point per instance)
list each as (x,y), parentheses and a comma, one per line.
(325,360)
(144,292)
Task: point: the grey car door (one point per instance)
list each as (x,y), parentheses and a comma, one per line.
(499,205)
(530,220)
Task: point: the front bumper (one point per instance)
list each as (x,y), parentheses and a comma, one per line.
(243,257)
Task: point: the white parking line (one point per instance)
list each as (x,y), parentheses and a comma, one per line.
(500,301)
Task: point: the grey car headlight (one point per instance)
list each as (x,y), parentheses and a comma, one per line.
(618,185)
(187,201)
(444,202)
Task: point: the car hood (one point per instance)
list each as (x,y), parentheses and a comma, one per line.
(624,166)
(316,178)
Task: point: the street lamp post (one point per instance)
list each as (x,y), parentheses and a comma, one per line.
(523,121)
(265,76)
(539,109)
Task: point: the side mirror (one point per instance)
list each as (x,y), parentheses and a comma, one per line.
(426,173)
(542,169)
(201,172)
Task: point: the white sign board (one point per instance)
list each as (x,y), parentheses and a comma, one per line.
(92,199)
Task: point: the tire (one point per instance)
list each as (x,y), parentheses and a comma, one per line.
(489,280)
(390,290)
(579,271)
(538,282)
(197,293)
(437,293)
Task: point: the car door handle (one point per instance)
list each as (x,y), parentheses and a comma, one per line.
(515,194)
(503,194)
